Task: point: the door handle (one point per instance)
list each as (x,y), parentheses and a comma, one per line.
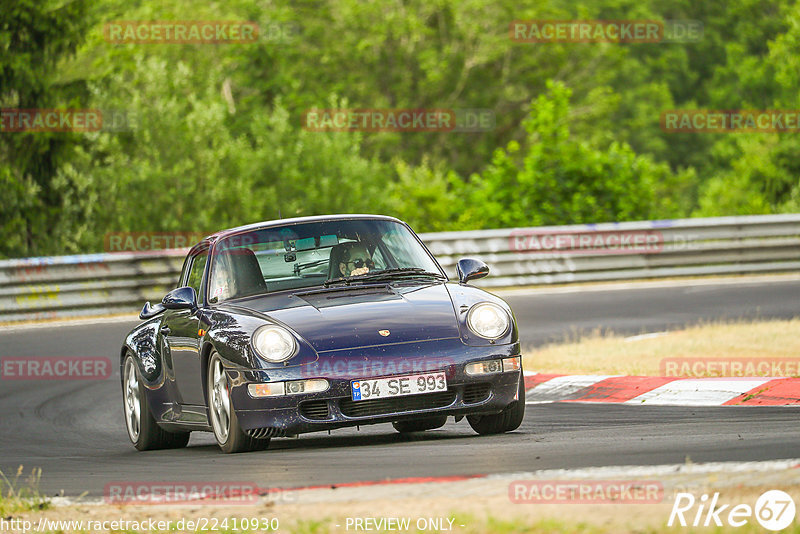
(165,330)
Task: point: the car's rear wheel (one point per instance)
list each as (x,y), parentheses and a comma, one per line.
(143,431)
(505,421)
(229,435)
(419,425)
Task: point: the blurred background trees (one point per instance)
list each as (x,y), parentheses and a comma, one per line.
(215,135)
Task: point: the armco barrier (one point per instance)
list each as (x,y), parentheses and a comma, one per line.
(66,286)
(91,284)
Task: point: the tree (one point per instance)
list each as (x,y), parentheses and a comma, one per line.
(41,204)
(557,179)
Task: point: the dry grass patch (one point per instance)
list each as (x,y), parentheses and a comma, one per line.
(641,355)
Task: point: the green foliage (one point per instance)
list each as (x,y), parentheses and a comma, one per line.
(758,173)
(19,495)
(43,202)
(426,198)
(214,177)
(217,138)
(560,180)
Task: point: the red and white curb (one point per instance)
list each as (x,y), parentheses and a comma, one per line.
(662,391)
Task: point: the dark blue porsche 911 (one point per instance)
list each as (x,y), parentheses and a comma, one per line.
(316,323)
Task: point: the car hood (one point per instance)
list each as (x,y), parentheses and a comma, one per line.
(361,316)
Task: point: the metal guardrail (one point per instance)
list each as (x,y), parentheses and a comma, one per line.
(92,284)
(683,247)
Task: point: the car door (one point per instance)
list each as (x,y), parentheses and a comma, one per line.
(181,332)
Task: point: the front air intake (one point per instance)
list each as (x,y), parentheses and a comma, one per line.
(411,403)
(268,432)
(316,410)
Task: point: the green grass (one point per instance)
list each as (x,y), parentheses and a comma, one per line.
(21,494)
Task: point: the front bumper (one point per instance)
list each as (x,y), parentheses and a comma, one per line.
(296,414)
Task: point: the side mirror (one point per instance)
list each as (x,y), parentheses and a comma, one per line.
(149,311)
(183,298)
(471,269)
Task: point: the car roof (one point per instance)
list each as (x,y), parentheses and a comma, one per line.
(282,222)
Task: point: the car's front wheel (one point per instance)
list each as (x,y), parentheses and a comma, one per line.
(144,432)
(419,425)
(505,421)
(229,435)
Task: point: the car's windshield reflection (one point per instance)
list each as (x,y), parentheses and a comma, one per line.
(315,254)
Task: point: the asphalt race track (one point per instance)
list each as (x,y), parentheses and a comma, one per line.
(75,432)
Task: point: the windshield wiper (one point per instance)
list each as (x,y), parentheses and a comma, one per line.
(386,273)
(303,266)
(400,272)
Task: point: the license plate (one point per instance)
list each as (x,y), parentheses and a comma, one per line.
(398,386)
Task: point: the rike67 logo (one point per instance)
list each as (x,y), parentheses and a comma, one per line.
(774,510)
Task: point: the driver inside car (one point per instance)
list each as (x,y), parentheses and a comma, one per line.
(356,260)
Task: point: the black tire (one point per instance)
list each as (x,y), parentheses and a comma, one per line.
(148,436)
(505,421)
(229,435)
(420,425)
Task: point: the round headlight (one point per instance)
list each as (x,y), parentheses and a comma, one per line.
(274,343)
(488,320)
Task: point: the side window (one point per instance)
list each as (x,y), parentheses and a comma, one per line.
(196,272)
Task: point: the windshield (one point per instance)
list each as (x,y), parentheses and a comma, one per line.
(309,254)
